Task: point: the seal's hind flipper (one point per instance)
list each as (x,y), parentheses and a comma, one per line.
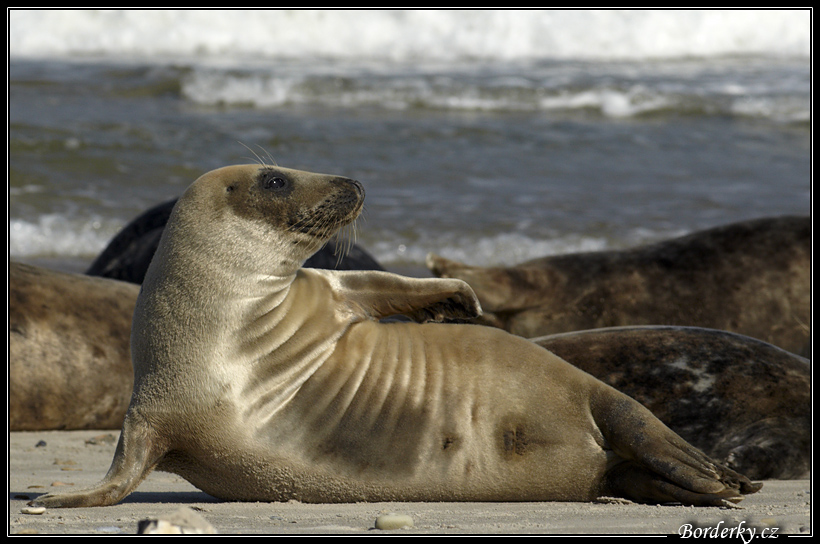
(694,469)
(656,464)
(637,483)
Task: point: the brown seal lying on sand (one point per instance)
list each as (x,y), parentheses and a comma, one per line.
(752,278)
(69,356)
(256,379)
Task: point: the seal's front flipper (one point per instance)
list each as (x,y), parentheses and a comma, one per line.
(455,308)
(135,457)
(382,294)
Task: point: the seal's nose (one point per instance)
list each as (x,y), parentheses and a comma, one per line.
(350,182)
(356,189)
(359,188)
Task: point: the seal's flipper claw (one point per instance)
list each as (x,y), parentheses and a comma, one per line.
(639,484)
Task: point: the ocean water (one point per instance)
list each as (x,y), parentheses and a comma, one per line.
(486,136)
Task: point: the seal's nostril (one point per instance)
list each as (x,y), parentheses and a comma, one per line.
(354,188)
(349,182)
(359,187)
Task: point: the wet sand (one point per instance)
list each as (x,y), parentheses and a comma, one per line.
(67,459)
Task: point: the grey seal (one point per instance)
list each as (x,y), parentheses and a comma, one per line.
(69,354)
(259,380)
(751,277)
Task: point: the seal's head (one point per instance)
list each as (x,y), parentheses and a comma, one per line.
(259,209)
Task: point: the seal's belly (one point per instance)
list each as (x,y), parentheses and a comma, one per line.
(382,400)
(430,405)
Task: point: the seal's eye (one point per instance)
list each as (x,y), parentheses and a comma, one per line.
(271,181)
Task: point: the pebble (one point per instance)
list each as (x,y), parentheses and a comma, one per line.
(65,462)
(392,521)
(33,510)
(101,439)
(182,522)
(113,529)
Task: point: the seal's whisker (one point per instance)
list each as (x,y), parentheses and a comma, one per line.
(259,159)
(300,224)
(353,235)
(344,242)
(323,228)
(270,157)
(255,156)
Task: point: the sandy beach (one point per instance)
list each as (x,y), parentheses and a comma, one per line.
(41,462)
